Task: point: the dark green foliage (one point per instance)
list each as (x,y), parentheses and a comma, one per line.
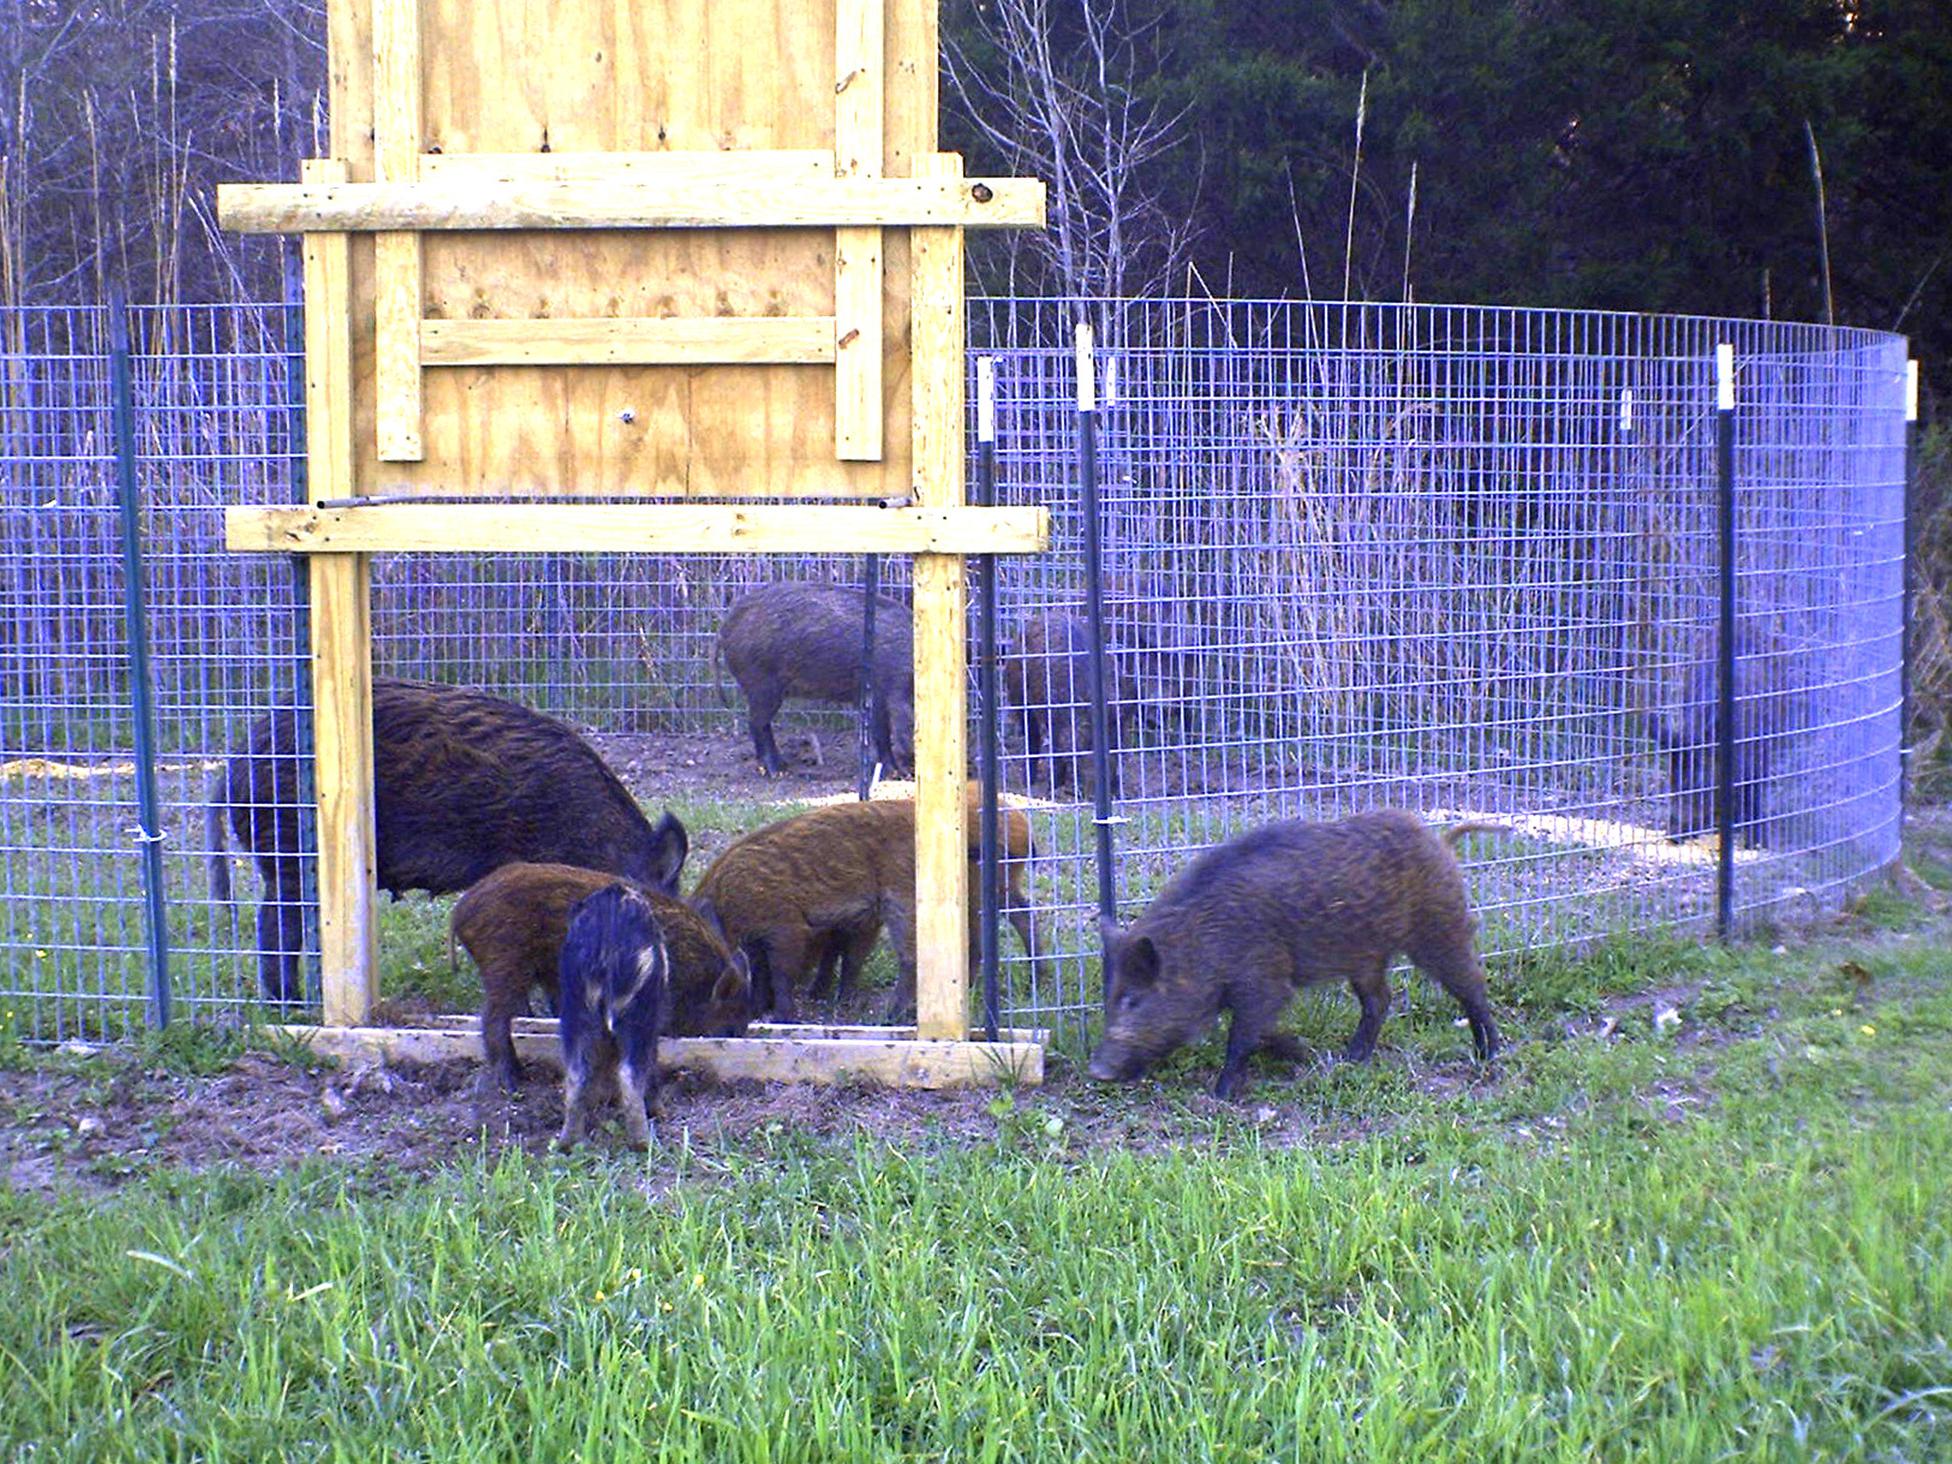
(1626,154)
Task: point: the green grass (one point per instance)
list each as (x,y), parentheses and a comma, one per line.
(1732,1243)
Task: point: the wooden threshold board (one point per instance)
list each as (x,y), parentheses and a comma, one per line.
(775,1053)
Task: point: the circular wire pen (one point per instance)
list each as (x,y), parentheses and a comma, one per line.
(1462,560)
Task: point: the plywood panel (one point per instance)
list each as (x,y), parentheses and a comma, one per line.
(735,73)
(859,76)
(397,262)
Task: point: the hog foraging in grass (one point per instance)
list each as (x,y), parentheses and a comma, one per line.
(801,640)
(1047,678)
(1690,736)
(614,977)
(513,923)
(1248,924)
(819,887)
(463,783)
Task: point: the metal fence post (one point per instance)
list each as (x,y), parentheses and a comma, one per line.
(301,578)
(988,860)
(870,593)
(1094,569)
(1904,596)
(149,828)
(1725,641)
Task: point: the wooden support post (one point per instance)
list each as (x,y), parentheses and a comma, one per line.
(398,298)
(941,736)
(858,148)
(341,631)
(342,733)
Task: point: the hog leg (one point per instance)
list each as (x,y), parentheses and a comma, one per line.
(854,955)
(576,1082)
(281,934)
(1254,1016)
(761,707)
(1459,973)
(1372,991)
(830,944)
(786,957)
(637,1074)
(500,997)
(901,931)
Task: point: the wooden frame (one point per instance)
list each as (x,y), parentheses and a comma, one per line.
(517,528)
(755,204)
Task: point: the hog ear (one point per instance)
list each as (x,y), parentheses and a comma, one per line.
(705,910)
(669,846)
(733,985)
(1141,964)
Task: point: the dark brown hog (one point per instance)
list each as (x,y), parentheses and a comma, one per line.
(1248,924)
(1047,678)
(819,888)
(463,783)
(1765,707)
(804,640)
(513,922)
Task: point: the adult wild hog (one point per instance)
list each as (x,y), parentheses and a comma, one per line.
(1690,735)
(820,886)
(463,783)
(513,922)
(796,640)
(1248,924)
(1047,677)
(616,998)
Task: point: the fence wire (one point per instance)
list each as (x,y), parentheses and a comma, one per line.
(1459,560)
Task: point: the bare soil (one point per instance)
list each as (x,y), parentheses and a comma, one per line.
(88,1122)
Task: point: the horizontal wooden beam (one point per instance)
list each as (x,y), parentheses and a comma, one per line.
(712,340)
(971,203)
(896,1062)
(807,1031)
(765,167)
(626,528)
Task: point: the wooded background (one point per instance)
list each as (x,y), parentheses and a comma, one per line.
(1655,155)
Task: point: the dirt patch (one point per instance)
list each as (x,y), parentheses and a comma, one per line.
(702,766)
(90,1123)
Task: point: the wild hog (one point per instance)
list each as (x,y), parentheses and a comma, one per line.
(1689,737)
(463,783)
(614,977)
(1248,924)
(512,924)
(819,887)
(799,640)
(1047,677)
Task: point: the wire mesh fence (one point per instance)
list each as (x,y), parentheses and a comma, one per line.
(1460,560)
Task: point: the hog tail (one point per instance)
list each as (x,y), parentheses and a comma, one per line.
(718,671)
(1456,831)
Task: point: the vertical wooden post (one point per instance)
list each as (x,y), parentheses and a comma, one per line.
(941,737)
(341,633)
